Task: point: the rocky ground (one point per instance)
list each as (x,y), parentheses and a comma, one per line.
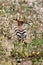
(21,32)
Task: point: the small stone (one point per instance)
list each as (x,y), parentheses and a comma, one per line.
(28,62)
(41,10)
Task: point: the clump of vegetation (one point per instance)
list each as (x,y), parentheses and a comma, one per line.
(1,50)
(24,50)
